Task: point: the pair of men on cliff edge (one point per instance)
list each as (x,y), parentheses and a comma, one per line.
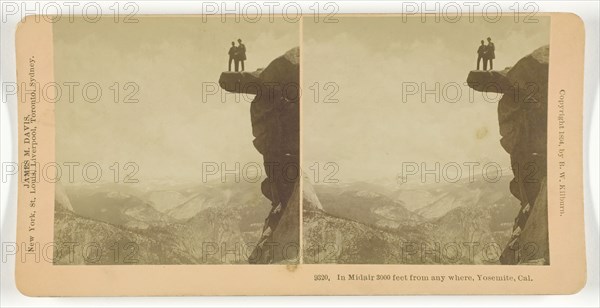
(237,54)
(487,53)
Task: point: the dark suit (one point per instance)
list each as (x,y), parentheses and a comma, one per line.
(233,57)
(490,55)
(241,54)
(480,56)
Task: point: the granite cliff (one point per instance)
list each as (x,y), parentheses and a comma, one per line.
(522,117)
(274,114)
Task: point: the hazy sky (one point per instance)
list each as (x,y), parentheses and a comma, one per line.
(370,132)
(170,132)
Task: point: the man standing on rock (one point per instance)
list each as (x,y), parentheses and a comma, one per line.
(481,55)
(233,56)
(490,54)
(241,50)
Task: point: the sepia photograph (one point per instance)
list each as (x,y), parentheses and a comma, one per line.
(185,144)
(428,144)
(434,157)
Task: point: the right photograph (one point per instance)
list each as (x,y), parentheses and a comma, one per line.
(424,140)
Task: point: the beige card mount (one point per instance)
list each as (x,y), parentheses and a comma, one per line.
(367,155)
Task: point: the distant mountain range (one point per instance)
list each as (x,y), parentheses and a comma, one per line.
(468,222)
(185,224)
(344,223)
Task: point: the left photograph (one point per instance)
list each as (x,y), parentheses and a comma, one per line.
(181,141)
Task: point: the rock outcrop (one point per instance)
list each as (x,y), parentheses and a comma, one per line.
(522,116)
(274,114)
